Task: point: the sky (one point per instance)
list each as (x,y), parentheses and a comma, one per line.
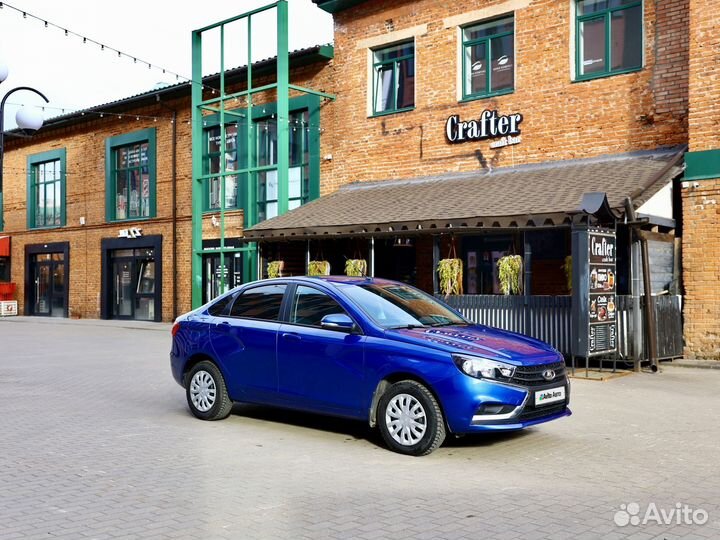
(76,75)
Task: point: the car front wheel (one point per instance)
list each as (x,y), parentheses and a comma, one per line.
(206,392)
(410,419)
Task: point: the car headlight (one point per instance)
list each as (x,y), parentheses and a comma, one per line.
(483,368)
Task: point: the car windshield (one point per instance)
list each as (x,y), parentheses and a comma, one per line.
(394,305)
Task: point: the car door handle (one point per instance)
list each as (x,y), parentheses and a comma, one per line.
(291,336)
(223,326)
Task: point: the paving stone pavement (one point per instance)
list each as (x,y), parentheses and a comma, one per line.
(96,442)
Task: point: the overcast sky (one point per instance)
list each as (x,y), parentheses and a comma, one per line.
(74,75)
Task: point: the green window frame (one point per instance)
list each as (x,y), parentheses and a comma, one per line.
(609,38)
(488,44)
(235,158)
(131,176)
(46,187)
(393,79)
(256,192)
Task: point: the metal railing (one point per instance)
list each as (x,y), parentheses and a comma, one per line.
(549,319)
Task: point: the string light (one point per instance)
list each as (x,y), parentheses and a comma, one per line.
(102,46)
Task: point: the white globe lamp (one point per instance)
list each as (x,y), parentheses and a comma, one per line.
(29,119)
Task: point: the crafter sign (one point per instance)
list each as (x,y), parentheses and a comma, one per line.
(490,125)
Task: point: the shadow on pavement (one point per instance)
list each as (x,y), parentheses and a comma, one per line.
(360,430)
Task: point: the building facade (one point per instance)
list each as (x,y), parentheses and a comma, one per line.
(468,130)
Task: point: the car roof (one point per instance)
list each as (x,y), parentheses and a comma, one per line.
(362,280)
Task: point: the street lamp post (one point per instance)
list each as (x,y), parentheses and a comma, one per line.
(28,120)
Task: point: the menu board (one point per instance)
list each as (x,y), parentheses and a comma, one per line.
(602,306)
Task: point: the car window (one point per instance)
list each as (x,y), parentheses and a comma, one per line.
(219,308)
(311,305)
(259,303)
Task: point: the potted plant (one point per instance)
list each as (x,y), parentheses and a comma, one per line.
(509,274)
(356,267)
(450,272)
(318,268)
(275,268)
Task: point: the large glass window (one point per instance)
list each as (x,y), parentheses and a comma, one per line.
(259,303)
(311,305)
(489,58)
(46,189)
(130,163)
(609,37)
(299,175)
(394,78)
(212,163)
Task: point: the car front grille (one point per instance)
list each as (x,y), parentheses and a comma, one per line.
(532,413)
(533,375)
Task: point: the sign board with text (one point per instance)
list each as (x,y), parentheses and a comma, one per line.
(594,292)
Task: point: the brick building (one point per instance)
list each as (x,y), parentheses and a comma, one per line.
(471,128)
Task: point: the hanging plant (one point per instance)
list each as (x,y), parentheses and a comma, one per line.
(450,272)
(275,268)
(568,272)
(509,272)
(356,267)
(318,268)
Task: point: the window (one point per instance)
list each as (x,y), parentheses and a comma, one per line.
(489,58)
(130,176)
(46,189)
(299,179)
(212,161)
(219,308)
(394,78)
(311,305)
(259,303)
(609,37)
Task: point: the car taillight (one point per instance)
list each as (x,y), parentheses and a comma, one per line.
(175,329)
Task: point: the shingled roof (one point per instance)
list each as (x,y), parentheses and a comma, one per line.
(525,196)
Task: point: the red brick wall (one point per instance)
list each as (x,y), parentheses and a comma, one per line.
(701,269)
(562,119)
(85,186)
(701,208)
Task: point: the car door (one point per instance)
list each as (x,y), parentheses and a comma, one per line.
(245,342)
(319,369)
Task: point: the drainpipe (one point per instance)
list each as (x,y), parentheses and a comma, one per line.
(174,206)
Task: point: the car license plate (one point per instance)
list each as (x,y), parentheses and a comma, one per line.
(551,395)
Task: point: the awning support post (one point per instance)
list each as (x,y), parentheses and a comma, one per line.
(371,256)
(436,261)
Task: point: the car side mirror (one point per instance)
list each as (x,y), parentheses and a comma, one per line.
(337,321)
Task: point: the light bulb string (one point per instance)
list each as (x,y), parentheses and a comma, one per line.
(47,23)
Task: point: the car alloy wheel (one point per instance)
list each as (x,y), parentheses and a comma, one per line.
(206,392)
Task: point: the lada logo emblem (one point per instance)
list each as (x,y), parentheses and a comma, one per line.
(548,374)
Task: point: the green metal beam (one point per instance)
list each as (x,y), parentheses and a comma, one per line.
(283,113)
(197,191)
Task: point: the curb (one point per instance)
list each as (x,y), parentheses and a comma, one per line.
(699,364)
(127,325)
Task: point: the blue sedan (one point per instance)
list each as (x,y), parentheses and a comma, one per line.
(369,349)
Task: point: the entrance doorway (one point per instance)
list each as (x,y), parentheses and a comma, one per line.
(48,289)
(218,278)
(133,284)
(132,278)
(46,279)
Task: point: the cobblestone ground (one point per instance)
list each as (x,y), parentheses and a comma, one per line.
(96,442)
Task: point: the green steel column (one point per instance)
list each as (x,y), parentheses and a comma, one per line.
(283,124)
(250,205)
(197,192)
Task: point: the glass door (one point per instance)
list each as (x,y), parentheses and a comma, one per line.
(43,288)
(218,278)
(48,294)
(122,276)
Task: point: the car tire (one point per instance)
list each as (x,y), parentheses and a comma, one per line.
(206,392)
(410,419)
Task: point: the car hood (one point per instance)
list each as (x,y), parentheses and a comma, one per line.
(482,341)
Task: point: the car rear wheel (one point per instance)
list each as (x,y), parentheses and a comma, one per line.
(410,419)
(206,392)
